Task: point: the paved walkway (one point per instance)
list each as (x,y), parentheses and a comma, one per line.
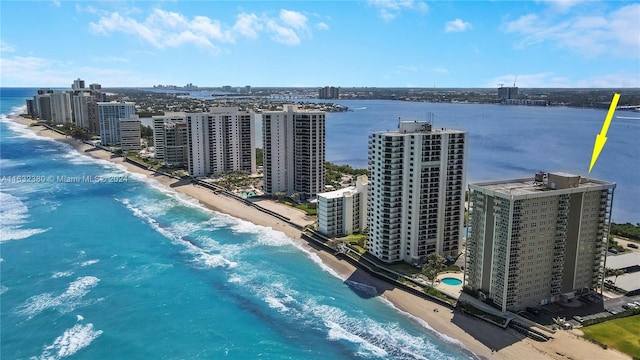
(451,290)
(295,215)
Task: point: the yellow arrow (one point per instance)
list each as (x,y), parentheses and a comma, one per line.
(601,138)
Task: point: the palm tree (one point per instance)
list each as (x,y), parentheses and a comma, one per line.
(280,195)
(430,273)
(436,261)
(616,273)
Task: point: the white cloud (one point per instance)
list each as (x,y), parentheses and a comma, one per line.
(248,25)
(116,22)
(211,29)
(322,26)
(615,33)
(31,71)
(6,47)
(294,19)
(56,3)
(282,34)
(168,19)
(390,9)
(551,80)
(457,25)
(167,29)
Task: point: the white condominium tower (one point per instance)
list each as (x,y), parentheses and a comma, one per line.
(220,140)
(170,138)
(294,151)
(109,115)
(344,211)
(537,240)
(61,112)
(416,192)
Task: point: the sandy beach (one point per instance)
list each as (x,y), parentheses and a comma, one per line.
(485,340)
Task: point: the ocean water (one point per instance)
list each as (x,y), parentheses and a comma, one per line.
(94,269)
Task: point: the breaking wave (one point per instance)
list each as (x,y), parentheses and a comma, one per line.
(13,215)
(68,301)
(71,341)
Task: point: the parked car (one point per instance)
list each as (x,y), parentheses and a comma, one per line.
(632,245)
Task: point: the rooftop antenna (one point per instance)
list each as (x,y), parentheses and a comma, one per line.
(500,85)
(514,81)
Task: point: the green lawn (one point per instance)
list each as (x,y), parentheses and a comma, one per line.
(621,334)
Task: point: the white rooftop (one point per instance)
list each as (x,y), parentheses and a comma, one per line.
(338,193)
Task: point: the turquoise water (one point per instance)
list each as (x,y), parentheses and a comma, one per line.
(129,269)
(451,281)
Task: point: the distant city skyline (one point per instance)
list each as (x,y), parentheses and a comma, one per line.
(373,43)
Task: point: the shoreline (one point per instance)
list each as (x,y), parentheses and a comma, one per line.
(486,341)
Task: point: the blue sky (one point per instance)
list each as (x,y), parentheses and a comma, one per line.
(378,43)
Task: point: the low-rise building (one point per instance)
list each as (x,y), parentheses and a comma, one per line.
(344,211)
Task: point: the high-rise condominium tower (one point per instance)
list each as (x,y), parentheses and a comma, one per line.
(170,138)
(294,151)
(537,240)
(416,192)
(220,140)
(109,115)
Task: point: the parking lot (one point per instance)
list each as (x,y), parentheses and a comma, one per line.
(584,307)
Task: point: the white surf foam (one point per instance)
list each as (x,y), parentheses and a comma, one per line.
(201,255)
(8,163)
(368,350)
(71,341)
(61,274)
(13,215)
(373,339)
(89,262)
(3,289)
(23,131)
(65,302)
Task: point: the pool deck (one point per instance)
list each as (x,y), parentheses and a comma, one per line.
(451,290)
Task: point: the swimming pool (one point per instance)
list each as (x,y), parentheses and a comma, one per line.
(451,281)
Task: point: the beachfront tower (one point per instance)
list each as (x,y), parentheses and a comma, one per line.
(537,240)
(170,138)
(79,101)
(344,211)
(109,115)
(130,134)
(221,140)
(416,192)
(294,151)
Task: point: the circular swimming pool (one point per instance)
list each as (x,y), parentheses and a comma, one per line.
(451,281)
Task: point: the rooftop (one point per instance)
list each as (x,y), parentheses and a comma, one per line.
(338,193)
(544,183)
